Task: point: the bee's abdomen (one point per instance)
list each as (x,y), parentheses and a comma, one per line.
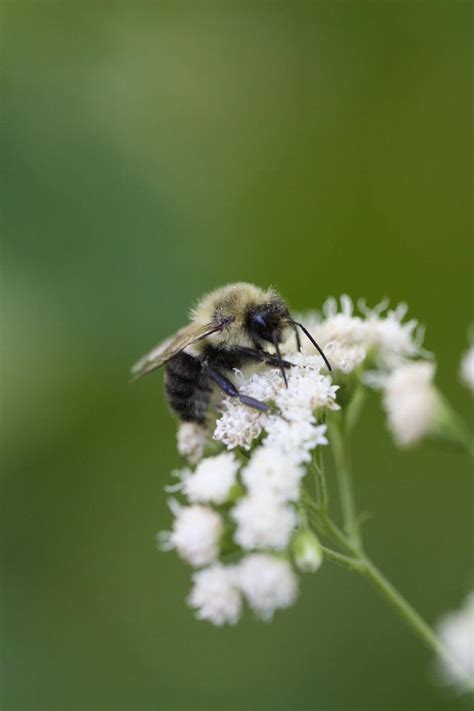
(187,387)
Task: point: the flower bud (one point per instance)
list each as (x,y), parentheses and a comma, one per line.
(307,551)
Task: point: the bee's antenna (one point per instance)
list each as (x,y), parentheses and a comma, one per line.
(297,334)
(280,359)
(308,335)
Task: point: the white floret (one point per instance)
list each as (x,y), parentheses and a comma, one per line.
(308,393)
(212,480)
(347,339)
(191,440)
(272,470)
(466,369)
(196,534)
(456,633)
(263,521)
(295,439)
(341,335)
(261,386)
(239,425)
(340,326)
(345,357)
(215,595)
(391,340)
(307,389)
(268,583)
(411,402)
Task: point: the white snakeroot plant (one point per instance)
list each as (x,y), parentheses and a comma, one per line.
(252,509)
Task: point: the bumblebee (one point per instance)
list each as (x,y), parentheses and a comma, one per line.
(231,327)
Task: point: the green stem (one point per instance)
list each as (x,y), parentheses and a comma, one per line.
(347,562)
(350,541)
(338,535)
(340,444)
(355,407)
(359,563)
(326,527)
(404,609)
(320,479)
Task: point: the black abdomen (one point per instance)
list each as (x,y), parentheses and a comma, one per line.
(188,388)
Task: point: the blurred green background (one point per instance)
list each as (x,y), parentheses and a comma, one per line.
(152,151)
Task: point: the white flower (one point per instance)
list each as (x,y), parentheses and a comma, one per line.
(342,327)
(307,389)
(341,335)
(191,441)
(411,402)
(347,339)
(239,425)
(345,357)
(456,632)
(268,583)
(297,439)
(263,521)
(212,480)
(466,370)
(271,470)
(389,339)
(215,595)
(261,386)
(196,534)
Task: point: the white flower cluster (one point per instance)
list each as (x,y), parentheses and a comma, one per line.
(349,338)
(254,502)
(378,339)
(293,431)
(249,504)
(456,632)
(245,502)
(267,583)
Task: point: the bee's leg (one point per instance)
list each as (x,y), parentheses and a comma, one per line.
(261,356)
(229,389)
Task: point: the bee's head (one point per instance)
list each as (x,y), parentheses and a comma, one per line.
(267,322)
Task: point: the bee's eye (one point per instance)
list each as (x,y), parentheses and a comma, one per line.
(261,325)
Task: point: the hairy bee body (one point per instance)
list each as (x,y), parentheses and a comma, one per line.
(229,328)
(189,389)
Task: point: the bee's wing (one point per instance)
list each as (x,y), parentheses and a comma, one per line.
(171,347)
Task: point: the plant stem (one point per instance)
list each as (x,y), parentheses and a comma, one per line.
(350,541)
(404,609)
(354,564)
(320,480)
(362,565)
(340,444)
